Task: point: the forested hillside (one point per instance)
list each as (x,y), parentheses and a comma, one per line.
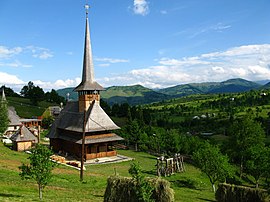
(137,94)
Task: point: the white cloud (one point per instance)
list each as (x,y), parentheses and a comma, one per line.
(44,55)
(6,52)
(218,69)
(219,27)
(58,84)
(39,52)
(13,57)
(111,60)
(9,79)
(251,62)
(140,7)
(104,65)
(15,63)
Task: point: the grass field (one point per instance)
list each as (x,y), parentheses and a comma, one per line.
(65,186)
(25,109)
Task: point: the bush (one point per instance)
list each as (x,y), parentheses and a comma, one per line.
(235,193)
(121,189)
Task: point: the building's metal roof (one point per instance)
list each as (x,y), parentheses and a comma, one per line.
(30,120)
(72,120)
(14,119)
(23,135)
(78,139)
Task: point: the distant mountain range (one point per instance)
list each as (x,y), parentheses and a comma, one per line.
(138,94)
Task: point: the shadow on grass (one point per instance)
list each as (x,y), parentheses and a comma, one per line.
(9,146)
(9,195)
(150,172)
(150,157)
(204,199)
(191,184)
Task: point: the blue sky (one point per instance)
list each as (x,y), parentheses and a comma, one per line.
(156,43)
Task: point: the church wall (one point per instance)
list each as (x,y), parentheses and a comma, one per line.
(65,146)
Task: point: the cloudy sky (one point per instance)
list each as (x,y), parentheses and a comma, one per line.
(156,43)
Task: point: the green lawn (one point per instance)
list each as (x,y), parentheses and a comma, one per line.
(65,186)
(25,109)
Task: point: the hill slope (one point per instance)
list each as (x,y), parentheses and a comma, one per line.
(138,94)
(133,95)
(234,86)
(229,86)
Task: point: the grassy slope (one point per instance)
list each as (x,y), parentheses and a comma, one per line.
(65,186)
(25,109)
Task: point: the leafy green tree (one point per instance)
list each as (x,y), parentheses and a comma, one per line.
(3,117)
(106,107)
(47,121)
(214,164)
(243,135)
(40,167)
(34,93)
(25,90)
(134,133)
(142,187)
(9,92)
(258,162)
(123,110)
(115,109)
(54,97)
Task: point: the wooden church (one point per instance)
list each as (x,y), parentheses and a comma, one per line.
(85,117)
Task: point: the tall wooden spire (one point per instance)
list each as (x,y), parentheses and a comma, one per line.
(4,99)
(88,89)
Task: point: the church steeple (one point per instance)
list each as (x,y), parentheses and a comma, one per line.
(4,99)
(88,81)
(88,89)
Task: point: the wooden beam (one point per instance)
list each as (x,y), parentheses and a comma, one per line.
(83,141)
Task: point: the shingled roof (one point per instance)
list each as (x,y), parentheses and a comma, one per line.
(14,119)
(72,120)
(111,137)
(23,135)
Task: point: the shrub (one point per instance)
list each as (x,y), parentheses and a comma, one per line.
(121,189)
(235,193)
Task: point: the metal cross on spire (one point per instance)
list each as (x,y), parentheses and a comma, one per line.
(86,8)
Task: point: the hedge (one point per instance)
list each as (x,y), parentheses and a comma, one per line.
(121,189)
(235,193)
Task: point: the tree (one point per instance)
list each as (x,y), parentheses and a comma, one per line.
(54,97)
(25,90)
(9,92)
(34,93)
(257,162)
(134,133)
(244,134)
(3,117)
(40,167)
(142,187)
(214,164)
(47,121)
